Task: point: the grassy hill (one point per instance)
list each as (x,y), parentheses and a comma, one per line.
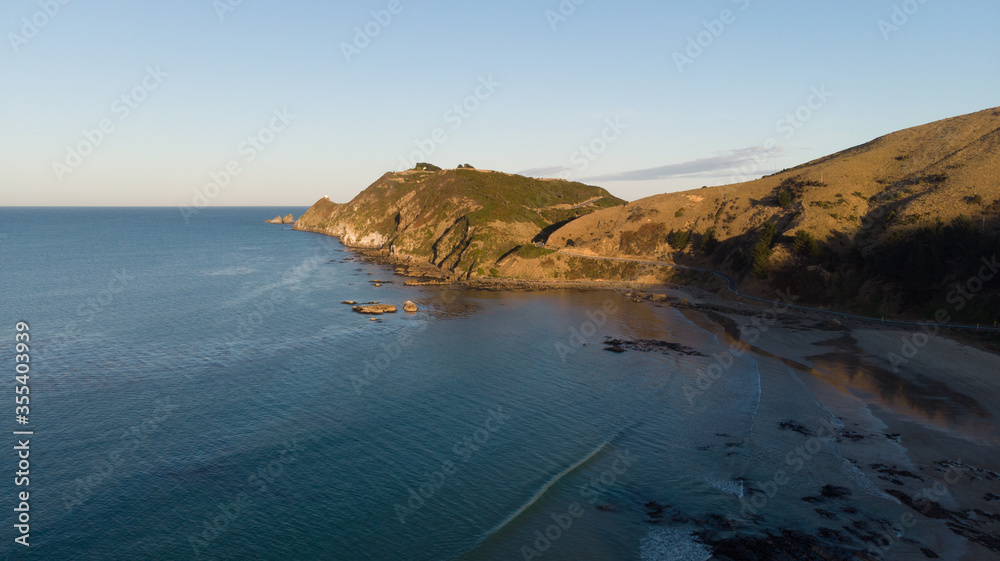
(887,227)
(460,222)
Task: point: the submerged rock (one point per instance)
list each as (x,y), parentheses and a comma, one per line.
(788,544)
(648,345)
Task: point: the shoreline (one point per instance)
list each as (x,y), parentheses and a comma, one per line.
(425,274)
(938,465)
(685,296)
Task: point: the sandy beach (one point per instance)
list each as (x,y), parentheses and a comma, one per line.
(925,432)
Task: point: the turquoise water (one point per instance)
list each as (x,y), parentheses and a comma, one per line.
(198,391)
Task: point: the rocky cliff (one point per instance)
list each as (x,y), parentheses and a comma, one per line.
(458,222)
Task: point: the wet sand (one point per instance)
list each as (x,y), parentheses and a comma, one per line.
(924,430)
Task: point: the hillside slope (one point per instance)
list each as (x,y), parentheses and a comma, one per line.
(456,222)
(881,227)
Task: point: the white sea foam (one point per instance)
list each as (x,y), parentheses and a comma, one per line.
(228,272)
(672,544)
(759,393)
(865,483)
(548,485)
(727,486)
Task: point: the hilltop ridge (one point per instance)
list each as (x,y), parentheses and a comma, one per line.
(884,227)
(457,223)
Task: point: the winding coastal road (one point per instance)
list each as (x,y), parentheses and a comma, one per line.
(731,286)
(587,202)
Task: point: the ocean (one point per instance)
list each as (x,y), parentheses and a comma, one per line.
(199,391)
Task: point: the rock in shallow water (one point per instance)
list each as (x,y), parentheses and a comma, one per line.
(409,306)
(375,309)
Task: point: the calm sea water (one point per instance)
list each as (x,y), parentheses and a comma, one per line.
(198,391)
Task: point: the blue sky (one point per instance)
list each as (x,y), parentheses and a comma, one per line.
(597,91)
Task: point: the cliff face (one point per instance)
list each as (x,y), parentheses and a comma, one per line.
(460,222)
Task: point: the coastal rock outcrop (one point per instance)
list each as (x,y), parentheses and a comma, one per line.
(456,222)
(375,309)
(287,219)
(409,306)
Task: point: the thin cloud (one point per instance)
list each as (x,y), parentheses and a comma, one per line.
(724,163)
(544,172)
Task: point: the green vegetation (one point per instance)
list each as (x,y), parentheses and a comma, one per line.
(791,189)
(738,258)
(679,239)
(709,243)
(805,244)
(679,213)
(921,270)
(762,250)
(594,269)
(424,166)
(532,251)
(920,261)
(827,204)
(784,198)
